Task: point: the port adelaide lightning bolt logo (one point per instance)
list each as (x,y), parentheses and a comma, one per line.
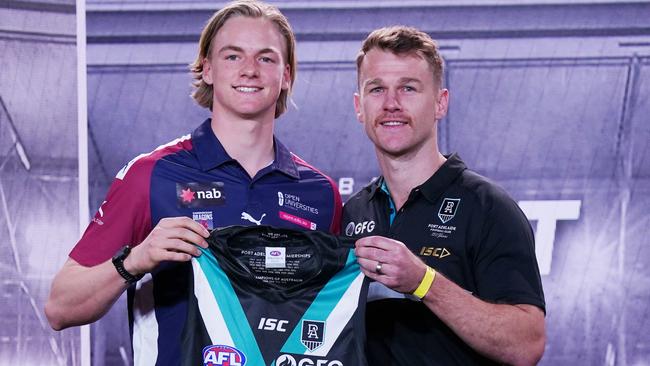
(312,334)
(448,209)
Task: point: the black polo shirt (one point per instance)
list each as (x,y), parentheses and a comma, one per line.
(463,226)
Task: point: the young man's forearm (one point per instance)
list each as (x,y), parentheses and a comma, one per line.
(81,295)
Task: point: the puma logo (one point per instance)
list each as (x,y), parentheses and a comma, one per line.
(248,217)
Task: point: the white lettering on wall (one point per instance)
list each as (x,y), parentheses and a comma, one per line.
(547,213)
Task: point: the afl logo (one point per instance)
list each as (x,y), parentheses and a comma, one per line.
(280,199)
(220,355)
(275,253)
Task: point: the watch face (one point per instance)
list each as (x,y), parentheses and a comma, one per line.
(122,253)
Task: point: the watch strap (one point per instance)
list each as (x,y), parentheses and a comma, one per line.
(118,262)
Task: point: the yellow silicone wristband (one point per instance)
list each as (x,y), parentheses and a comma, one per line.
(425,285)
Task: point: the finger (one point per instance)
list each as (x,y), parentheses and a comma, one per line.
(180,246)
(186,222)
(188,236)
(176,257)
(367,264)
(372,253)
(378,242)
(371,266)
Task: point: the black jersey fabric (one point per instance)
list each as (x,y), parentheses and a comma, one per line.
(279,297)
(463,226)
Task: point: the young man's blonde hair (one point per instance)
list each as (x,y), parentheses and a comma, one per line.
(252,9)
(402,40)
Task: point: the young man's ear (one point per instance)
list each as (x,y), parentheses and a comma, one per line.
(207,71)
(286,78)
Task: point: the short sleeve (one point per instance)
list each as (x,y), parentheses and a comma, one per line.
(506,266)
(123,218)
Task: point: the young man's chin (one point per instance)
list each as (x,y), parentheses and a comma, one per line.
(256,113)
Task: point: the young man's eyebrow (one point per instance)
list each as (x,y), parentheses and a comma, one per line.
(230,48)
(239,49)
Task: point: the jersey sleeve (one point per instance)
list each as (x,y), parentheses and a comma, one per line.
(123,218)
(506,269)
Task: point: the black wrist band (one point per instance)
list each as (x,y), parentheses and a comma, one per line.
(118,262)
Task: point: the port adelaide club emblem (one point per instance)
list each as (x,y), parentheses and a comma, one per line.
(312,334)
(448,209)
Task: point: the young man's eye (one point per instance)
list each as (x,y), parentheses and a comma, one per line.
(375,90)
(408,88)
(266,59)
(231,57)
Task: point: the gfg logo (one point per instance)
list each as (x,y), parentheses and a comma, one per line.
(220,355)
(359,228)
(288,360)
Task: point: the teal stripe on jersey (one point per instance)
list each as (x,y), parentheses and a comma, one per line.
(393,212)
(325,302)
(231,309)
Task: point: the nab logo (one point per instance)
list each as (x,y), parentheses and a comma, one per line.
(359,228)
(220,355)
(448,209)
(194,195)
(273,324)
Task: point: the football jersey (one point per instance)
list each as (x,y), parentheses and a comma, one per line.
(278,297)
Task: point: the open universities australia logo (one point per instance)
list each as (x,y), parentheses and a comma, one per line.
(448,209)
(312,334)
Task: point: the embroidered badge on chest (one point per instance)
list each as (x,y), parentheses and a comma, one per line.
(204,218)
(448,209)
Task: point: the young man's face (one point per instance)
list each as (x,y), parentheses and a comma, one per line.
(398,102)
(246,68)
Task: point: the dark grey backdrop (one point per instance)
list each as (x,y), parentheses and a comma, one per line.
(549,99)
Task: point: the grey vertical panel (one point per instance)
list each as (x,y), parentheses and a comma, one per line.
(38,176)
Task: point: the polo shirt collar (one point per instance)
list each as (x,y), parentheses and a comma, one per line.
(211,153)
(284,160)
(433,186)
(376,187)
(442,178)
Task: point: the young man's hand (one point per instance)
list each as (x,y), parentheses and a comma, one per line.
(172,239)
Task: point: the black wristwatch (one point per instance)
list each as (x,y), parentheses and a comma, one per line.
(118,262)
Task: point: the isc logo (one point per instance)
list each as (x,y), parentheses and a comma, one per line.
(272,324)
(359,228)
(220,355)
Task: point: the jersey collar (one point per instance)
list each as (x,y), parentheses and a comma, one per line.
(211,153)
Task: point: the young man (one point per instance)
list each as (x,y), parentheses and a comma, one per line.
(229,171)
(452,255)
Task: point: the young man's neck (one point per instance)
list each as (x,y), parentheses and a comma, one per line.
(249,141)
(402,174)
